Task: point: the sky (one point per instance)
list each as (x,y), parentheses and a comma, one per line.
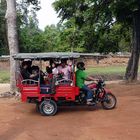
(47,15)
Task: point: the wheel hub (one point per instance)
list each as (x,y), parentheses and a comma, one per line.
(48,108)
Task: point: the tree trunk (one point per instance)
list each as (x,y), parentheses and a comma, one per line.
(11,19)
(132,68)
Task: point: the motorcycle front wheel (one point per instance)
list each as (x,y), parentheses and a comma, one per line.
(109,101)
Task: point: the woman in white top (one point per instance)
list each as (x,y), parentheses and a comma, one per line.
(64,69)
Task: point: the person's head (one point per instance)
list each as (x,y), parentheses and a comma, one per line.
(49,70)
(69,62)
(81,65)
(53,65)
(35,69)
(63,63)
(28,61)
(24,65)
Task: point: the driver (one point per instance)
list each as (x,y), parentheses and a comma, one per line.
(81,76)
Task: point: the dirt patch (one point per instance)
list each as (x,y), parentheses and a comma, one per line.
(20,121)
(4,88)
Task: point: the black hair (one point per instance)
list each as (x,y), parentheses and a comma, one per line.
(35,68)
(64,61)
(49,70)
(81,65)
(23,64)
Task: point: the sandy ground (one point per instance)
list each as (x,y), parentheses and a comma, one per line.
(20,121)
(4,88)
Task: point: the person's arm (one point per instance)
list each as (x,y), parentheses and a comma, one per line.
(90,78)
(33,75)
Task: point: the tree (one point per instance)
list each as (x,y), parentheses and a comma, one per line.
(128,13)
(12,39)
(11,18)
(3,37)
(94,28)
(97,17)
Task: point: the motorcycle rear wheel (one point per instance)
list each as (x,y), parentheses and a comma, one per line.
(109,101)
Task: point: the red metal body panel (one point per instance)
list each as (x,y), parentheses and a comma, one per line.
(68,92)
(29,91)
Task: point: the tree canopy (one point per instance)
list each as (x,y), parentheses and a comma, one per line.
(103,25)
(3,38)
(85,26)
(106,24)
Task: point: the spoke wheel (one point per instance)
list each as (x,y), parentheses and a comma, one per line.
(48,108)
(109,101)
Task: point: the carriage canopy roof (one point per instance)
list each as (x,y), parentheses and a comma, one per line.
(45,56)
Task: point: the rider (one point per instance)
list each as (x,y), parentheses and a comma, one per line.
(81,76)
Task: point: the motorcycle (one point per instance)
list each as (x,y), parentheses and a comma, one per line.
(100,95)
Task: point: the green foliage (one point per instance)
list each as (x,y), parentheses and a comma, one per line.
(86,26)
(105,25)
(3,38)
(124,10)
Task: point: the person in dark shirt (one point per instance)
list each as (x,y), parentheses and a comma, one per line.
(49,75)
(39,74)
(24,71)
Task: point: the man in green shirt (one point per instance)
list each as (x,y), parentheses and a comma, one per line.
(81,77)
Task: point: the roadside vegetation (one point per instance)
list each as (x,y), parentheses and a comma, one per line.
(85,26)
(110,71)
(106,70)
(4,76)
(73,35)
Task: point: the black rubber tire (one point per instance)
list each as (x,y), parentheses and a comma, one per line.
(48,107)
(106,104)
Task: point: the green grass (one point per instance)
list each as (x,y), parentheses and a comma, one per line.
(106,70)
(4,76)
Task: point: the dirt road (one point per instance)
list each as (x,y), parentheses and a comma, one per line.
(20,121)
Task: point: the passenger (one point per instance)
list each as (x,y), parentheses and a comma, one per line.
(54,69)
(34,74)
(35,70)
(64,70)
(81,76)
(29,64)
(71,68)
(49,76)
(25,73)
(39,74)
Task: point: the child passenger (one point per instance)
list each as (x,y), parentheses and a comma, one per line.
(49,76)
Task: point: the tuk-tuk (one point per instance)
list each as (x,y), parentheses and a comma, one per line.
(60,91)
